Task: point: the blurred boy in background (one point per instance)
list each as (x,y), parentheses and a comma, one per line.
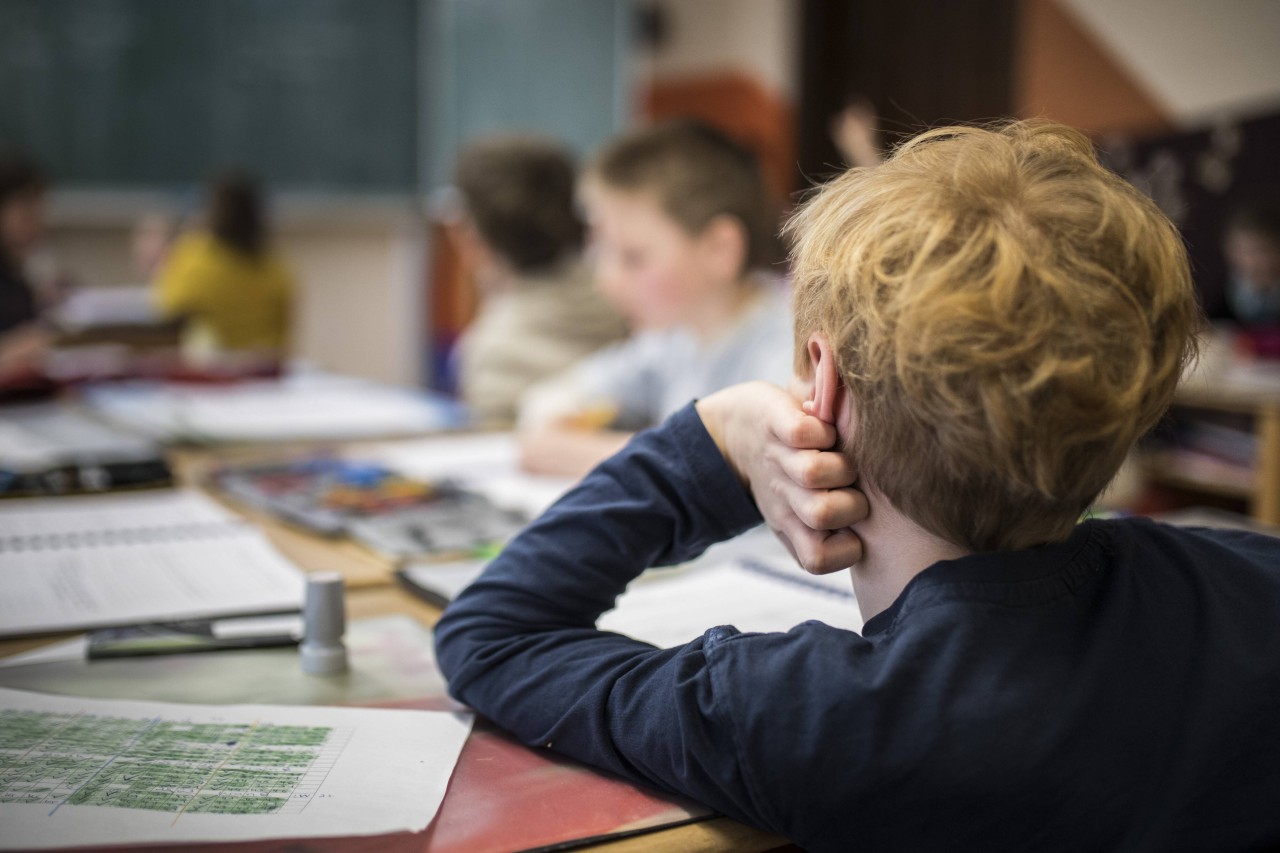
(681,231)
(227,283)
(519,234)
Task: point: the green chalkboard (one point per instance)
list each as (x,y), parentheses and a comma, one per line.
(320,95)
(555,67)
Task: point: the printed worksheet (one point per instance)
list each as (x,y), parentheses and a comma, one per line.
(89,771)
(72,563)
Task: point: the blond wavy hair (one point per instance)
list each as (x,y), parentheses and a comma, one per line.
(1009,317)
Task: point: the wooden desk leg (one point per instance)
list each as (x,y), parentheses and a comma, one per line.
(1266,497)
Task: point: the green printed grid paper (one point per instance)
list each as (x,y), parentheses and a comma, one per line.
(219,768)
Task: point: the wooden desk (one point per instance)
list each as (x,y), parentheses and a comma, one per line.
(371,594)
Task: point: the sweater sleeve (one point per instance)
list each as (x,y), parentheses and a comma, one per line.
(520,645)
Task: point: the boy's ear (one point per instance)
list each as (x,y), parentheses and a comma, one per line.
(826,388)
(725,241)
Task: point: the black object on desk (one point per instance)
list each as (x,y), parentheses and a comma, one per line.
(179,638)
(55,449)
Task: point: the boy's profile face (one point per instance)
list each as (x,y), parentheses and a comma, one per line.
(645,262)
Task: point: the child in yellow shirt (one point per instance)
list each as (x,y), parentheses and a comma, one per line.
(232,289)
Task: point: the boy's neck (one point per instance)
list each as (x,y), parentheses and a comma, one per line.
(720,312)
(895,550)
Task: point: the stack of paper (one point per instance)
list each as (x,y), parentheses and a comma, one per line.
(74,563)
(305,407)
(107,306)
(47,435)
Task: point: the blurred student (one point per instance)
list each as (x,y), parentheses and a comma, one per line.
(985,324)
(519,234)
(1252,248)
(227,283)
(682,231)
(23,340)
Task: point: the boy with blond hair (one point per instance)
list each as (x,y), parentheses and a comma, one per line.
(681,232)
(984,326)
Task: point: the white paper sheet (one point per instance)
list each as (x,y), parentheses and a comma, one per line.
(74,589)
(85,771)
(750,583)
(672,610)
(75,563)
(107,306)
(53,518)
(486,464)
(307,407)
(46,435)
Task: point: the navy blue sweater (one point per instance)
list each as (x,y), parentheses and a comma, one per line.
(1116,691)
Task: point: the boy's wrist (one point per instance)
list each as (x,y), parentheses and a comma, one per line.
(712,411)
(718,419)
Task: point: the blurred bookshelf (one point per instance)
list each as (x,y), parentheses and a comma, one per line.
(1221,442)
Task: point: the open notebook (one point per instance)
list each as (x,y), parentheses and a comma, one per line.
(92,562)
(751,583)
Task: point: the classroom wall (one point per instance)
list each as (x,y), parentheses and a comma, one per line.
(1063,72)
(757,36)
(732,63)
(359,265)
(1197,58)
(1147,66)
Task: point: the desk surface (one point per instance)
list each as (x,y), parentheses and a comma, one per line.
(372,594)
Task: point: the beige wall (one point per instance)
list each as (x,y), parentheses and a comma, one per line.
(760,36)
(359,267)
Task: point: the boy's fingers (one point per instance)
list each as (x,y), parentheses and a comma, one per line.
(795,429)
(838,550)
(817,469)
(830,509)
(820,553)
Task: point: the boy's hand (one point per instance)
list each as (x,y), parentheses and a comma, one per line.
(784,456)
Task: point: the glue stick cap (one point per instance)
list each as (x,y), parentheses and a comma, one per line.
(324,621)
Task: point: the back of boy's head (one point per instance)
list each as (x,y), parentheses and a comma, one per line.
(695,173)
(1009,317)
(519,195)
